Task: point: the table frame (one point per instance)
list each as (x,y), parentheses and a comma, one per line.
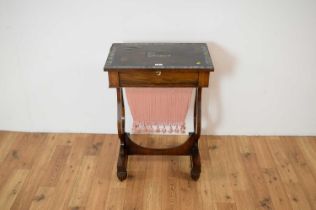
(128,147)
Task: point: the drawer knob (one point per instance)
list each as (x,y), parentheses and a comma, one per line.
(158,73)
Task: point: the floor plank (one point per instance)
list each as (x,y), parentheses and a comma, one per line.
(12,188)
(78,171)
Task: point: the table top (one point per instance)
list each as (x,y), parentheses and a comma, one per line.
(126,56)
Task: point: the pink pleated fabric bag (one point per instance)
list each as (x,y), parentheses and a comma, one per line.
(158,110)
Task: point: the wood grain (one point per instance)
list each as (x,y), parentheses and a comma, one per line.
(78,171)
(163,78)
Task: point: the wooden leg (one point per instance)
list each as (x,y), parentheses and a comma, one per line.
(123,156)
(122,164)
(195,154)
(196,162)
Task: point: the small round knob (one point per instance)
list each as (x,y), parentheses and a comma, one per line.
(158,73)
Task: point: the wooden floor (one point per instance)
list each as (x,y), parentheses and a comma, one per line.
(77,171)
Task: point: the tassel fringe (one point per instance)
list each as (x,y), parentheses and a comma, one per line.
(143,128)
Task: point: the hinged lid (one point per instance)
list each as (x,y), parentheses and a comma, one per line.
(159,56)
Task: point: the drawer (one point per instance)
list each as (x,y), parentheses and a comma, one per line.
(157,78)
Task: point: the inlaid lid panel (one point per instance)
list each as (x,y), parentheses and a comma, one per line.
(159,56)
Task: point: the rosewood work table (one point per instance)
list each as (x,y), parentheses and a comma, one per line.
(158,65)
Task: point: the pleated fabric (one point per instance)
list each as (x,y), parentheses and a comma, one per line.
(158,110)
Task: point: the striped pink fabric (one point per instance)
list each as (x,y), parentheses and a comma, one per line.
(156,110)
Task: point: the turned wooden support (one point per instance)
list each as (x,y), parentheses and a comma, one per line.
(122,156)
(195,154)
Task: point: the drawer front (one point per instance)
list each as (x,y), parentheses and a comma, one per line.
(156,78)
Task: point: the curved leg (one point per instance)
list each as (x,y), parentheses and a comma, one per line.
(123,156)
(196,162)
(195,154)
(122,164)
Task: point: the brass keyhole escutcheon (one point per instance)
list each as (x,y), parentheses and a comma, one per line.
(158,73)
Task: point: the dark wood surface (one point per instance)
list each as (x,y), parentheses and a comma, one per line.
(183,65)
(126,56)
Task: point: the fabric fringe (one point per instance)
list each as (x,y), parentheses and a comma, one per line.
(159,110)
(142,128)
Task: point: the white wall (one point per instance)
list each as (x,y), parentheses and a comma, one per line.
(52,54)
